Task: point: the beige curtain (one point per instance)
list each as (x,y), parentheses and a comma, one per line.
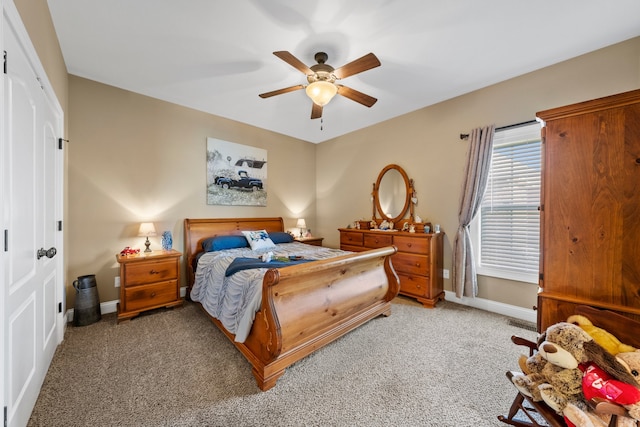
(465,281)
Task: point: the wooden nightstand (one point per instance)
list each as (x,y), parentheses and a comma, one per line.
(147,281)
(315,241)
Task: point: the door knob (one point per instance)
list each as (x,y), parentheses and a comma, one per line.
(48,253)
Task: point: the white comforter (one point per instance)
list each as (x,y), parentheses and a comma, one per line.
(234,300)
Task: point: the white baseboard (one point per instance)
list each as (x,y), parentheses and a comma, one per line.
(493,306)
(483,304)
(112,306)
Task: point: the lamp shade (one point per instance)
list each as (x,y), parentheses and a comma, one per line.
(301,223)
(147,229)
(321,92)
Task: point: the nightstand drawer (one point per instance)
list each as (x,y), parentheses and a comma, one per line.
(145,296)
(378,240)
(148,272)
(409,263)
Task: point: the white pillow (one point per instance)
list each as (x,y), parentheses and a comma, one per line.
(259,239)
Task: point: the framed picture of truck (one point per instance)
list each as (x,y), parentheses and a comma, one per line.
(236,174)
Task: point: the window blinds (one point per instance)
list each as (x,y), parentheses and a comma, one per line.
(509,216)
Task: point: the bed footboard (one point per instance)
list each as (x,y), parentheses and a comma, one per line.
(307,306)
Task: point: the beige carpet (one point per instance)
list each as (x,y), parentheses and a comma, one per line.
(418,367)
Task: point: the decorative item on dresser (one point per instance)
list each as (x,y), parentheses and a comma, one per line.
(589,208)
(148,280)
(418,261)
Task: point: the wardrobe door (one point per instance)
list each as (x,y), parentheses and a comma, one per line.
(590,205)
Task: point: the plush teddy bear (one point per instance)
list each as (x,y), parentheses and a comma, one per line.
(631,361)
(604,338)
(552,373)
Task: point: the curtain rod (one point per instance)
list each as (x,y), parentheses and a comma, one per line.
(466,135)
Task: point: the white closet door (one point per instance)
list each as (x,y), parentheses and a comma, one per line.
(31,206)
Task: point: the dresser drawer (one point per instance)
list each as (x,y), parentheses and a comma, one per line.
(410,263)
(373,241)
(414,245)
(351,238)
(144,296)
(414,285)
(148,272)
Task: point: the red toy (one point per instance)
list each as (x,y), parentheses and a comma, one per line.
(129,251)
(596,383)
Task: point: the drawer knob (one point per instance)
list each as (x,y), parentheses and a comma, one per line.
(417,264)
(408,245)
(153,294)
(154,272)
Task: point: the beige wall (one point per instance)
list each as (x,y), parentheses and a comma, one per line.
(426,144)
(133,158)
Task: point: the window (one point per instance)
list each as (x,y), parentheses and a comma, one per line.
(508,224)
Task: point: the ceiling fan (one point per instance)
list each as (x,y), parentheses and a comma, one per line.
(322,79)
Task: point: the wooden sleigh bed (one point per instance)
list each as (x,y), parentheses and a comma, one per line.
(304,306)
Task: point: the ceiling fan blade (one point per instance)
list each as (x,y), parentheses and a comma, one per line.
(316,111)
(281,91)
(365,63)
(354,95)
(293,61)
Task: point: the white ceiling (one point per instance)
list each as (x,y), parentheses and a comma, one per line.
(216,56)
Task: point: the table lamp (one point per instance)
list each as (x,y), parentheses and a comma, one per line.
(147,229)
(302,225)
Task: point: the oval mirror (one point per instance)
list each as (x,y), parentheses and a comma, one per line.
(392,193)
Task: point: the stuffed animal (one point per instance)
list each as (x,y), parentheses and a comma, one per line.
(621,393)
(555,375)
(552,374)
(631,361)
(604,338)
(599,385)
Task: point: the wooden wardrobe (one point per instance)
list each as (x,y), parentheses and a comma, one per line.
(590,208)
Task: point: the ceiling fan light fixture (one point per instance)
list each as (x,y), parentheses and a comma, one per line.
(321,92)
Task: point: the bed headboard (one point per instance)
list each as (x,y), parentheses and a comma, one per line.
(196,230)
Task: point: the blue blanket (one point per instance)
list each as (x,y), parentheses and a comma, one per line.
(239,264)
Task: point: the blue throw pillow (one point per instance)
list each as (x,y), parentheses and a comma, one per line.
(280,237)
(220,243)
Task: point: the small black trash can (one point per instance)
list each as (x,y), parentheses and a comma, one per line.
(87,308)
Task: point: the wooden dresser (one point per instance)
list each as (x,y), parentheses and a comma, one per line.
(590,202)
(418,261)
(147,281)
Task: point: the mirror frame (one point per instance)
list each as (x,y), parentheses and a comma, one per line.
(408,183)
